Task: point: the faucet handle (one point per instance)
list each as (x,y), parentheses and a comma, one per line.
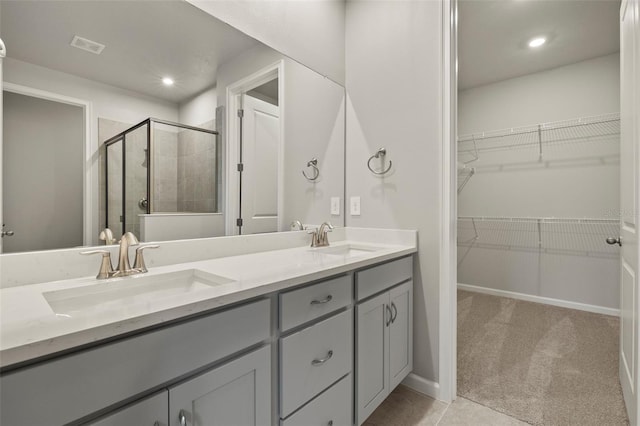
(106,268)
(138,263)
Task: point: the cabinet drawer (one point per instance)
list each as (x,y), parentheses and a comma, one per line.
(314,358)
(333,406)
(151,411)
(88,381)
(376,279)
(308,303)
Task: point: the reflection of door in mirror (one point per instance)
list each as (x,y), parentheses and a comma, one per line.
(259,153)
(42,172)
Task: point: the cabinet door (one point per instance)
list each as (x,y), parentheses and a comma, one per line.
(372,367)
(148,412)
(237,393)
(400,333)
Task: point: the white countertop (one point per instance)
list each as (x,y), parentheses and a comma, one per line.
(30,329)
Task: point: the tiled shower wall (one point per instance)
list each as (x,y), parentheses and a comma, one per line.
(197,170)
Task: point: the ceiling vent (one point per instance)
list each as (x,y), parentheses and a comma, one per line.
(88,45)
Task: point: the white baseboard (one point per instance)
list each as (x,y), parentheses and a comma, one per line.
(540,299)
(422,385)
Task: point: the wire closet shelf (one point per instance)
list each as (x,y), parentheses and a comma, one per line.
(602,127)
(568,236)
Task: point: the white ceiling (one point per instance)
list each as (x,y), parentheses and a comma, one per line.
(493,36)
(146,40)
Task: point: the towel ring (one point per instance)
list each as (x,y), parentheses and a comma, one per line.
(316,172)
(381,153)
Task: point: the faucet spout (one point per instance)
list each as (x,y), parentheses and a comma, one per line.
(124,267)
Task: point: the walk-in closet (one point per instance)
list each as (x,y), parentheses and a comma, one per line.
(538,197)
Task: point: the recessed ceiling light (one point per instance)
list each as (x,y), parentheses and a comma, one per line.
(167,81)
(537,42)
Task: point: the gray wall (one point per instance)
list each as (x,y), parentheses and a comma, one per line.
(43,173)
(311,32)
(575,180)
(394,84)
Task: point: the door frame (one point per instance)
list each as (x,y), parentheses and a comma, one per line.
(233,96)
(90,174)
(447,354)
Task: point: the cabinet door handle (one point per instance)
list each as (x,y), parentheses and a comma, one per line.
(317,362)
(388,310)
(323,301)
(182,418)
(395,312)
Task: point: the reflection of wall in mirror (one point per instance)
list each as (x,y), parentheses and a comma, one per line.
(107,102)
(313,127)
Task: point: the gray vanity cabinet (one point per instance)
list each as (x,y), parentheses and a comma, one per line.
(236,393)
(148,412)
(384,337)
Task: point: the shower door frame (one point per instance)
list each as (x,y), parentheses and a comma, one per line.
(122,137)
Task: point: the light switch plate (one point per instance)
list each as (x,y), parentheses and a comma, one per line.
(335,206)
(355,206)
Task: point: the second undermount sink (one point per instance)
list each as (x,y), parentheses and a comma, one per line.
(347,250)
(120,293)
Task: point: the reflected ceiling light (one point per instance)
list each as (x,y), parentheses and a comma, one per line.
(167,81)
(537,42)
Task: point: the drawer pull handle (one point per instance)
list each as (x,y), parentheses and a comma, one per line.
(323,301)
(182,418)
(317,362)
(395,312)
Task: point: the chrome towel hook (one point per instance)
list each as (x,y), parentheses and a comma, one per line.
(380,153)
(316,172)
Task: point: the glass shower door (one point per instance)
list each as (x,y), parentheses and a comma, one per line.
(136,183)
(114,188)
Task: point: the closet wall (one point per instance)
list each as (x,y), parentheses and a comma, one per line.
(568,261)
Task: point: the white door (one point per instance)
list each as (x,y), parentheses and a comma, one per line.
(237,393)
(629,186)
(260,144)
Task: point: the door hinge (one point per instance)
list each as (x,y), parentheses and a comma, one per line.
(240,167)
(240,113)
(239,222)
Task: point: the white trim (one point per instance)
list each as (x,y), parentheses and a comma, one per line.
(541,299)
(422,385)
(233,93)
(90,182)
(448,199)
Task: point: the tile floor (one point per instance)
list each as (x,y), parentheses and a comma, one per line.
(405,407)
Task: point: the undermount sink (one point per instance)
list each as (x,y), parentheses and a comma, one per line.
(347,250)
(135,290)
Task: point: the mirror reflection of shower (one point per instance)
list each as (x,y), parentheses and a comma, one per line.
(160,167)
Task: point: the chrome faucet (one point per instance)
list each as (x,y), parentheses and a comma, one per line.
(124,267)
(319,237)
(107,236)
(297,224)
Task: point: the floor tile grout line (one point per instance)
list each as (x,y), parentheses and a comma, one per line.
(444,412)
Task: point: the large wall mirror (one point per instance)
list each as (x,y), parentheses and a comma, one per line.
(157,118)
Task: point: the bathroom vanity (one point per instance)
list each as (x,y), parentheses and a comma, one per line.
(292,336)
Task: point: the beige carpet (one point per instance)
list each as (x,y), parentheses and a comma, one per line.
(538,363)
